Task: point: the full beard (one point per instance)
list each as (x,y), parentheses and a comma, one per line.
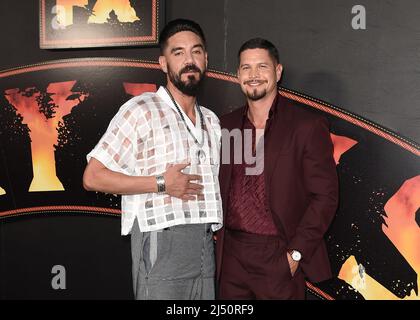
(191,85)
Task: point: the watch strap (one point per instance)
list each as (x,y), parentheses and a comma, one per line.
(160,180)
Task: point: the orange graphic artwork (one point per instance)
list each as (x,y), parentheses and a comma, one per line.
(402,229)
(100,11)
(42,130)
(341,145)
(136,89)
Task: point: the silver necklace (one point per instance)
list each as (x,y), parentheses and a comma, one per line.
(201,155)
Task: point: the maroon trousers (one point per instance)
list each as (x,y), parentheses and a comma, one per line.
(256,267)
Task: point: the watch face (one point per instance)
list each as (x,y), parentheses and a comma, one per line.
(296,255)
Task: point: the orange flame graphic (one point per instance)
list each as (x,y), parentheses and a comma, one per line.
(43,131)
(122,9)
(403,231)
(341,145)
(101,11)
(136,89)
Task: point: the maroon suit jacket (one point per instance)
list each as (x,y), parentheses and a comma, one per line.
(300,180)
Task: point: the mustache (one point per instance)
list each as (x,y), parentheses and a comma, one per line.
(255,81)
(189,68)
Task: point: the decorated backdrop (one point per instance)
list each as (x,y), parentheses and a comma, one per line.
(59,241)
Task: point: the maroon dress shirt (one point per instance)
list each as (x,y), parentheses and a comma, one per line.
(248,209)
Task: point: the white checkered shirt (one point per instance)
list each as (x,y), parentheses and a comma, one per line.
(144,138)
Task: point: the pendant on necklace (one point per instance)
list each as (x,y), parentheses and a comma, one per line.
(201,156)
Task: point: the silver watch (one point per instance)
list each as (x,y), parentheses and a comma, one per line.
(160,180)
(296,255)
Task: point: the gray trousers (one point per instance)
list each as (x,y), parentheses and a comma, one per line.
(174,263)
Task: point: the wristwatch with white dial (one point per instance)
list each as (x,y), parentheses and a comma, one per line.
(296,255)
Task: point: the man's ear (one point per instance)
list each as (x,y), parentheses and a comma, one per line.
(163,64)
(207,60)
(279,71)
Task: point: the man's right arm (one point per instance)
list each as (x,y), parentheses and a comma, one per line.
(99,178)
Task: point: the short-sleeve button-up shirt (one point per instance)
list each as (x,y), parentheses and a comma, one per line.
(144,138)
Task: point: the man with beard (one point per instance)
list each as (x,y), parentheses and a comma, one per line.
(274,217)
(161,153)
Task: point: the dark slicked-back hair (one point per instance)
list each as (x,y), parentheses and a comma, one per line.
(179,25)
(259,43)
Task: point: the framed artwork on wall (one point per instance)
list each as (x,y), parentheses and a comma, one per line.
(99,23)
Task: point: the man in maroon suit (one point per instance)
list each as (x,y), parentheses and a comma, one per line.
(275,216)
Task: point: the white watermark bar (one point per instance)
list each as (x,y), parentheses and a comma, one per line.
(242,152)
